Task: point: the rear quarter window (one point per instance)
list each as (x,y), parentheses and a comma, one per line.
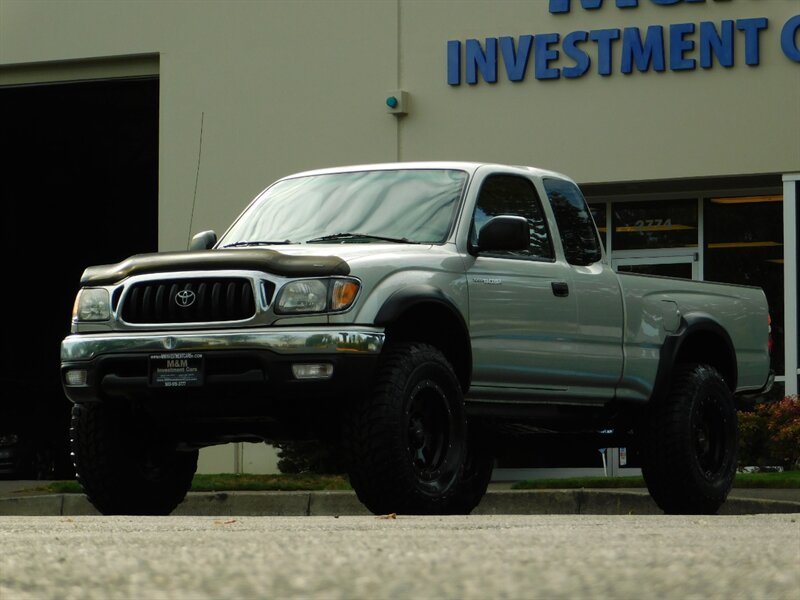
(575,224)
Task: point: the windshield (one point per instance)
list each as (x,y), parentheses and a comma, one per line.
(403,206)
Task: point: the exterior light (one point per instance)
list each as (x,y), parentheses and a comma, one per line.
(76,377)
(312,370)
(397,102)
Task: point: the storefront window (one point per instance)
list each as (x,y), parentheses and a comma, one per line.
(744,244)
(663,224)
(680,270)
(599,215)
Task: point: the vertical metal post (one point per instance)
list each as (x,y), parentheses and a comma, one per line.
(790,185)
(701,239)
(612,457)
(238,455)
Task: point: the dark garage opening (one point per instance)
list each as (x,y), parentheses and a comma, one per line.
(79,187)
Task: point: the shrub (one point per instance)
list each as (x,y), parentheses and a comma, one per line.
(770,434)
(310,456)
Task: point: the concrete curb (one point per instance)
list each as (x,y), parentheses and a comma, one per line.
(495,502)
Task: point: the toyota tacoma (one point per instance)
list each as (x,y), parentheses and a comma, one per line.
(419,315)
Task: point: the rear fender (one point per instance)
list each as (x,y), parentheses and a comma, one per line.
(699,339)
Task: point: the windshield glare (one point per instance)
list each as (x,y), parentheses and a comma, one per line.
(418,205)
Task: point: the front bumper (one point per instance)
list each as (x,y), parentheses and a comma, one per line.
(247,371)
(360,340)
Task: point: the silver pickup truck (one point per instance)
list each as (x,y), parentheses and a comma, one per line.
(416,314)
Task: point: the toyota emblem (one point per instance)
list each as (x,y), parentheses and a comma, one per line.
(185,298)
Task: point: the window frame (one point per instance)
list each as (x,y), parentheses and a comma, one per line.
(597,237)
(505,254)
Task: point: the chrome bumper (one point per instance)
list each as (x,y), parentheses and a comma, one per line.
(295,340)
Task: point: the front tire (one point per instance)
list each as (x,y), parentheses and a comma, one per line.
(477,474)
(407,442)
(124,467)
(690,443)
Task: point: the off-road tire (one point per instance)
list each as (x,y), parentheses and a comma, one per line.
(123,467)
(477,473)
(406,442)
(689,440)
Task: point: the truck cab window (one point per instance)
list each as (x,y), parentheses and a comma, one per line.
(578,232)
(511,195)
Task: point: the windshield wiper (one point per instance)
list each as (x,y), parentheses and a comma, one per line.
(256,243)
(366,236)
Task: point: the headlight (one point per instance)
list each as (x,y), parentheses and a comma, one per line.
(316,296)
(91,304)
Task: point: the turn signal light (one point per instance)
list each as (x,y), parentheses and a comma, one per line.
(343,293)
(770,341)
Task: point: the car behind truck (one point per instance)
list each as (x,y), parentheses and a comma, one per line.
(419,315)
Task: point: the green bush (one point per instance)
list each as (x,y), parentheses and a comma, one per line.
(769,435)
(310,456)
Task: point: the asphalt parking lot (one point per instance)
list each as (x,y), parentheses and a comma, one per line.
(525,557)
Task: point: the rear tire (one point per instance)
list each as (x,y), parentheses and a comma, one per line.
(690,442)
(406,444)
(123,466)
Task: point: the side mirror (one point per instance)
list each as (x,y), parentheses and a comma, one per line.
(204,240)
(504,233)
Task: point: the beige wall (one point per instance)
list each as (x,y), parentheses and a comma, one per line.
(617,128)
(238,458)
(284,86)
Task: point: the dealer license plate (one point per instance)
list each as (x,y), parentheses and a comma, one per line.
(176,369)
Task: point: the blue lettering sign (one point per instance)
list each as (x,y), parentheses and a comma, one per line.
(713,43)
(679,46)
(544,55)
(604,37)
(644,54)
(564,6)
(478,60)
(516,61)
(751,28)
(651,49)
(582,60)
(454,62)
(789,36)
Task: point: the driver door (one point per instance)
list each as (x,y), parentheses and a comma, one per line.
(523,319)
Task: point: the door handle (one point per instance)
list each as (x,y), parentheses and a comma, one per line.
(560,288)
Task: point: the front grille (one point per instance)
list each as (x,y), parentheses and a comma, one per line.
(189,301)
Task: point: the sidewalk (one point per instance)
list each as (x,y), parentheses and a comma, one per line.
(20,498)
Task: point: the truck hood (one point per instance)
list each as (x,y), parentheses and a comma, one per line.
(307,262)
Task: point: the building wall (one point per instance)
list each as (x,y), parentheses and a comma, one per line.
(254,90)
(616,128)
(280,87)
(284,86)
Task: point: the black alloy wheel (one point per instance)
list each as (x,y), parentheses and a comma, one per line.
(429,431)
(406,443)
(690,440)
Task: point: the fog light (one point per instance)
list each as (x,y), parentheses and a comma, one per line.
(8,439)
(76,377)
(312,371)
